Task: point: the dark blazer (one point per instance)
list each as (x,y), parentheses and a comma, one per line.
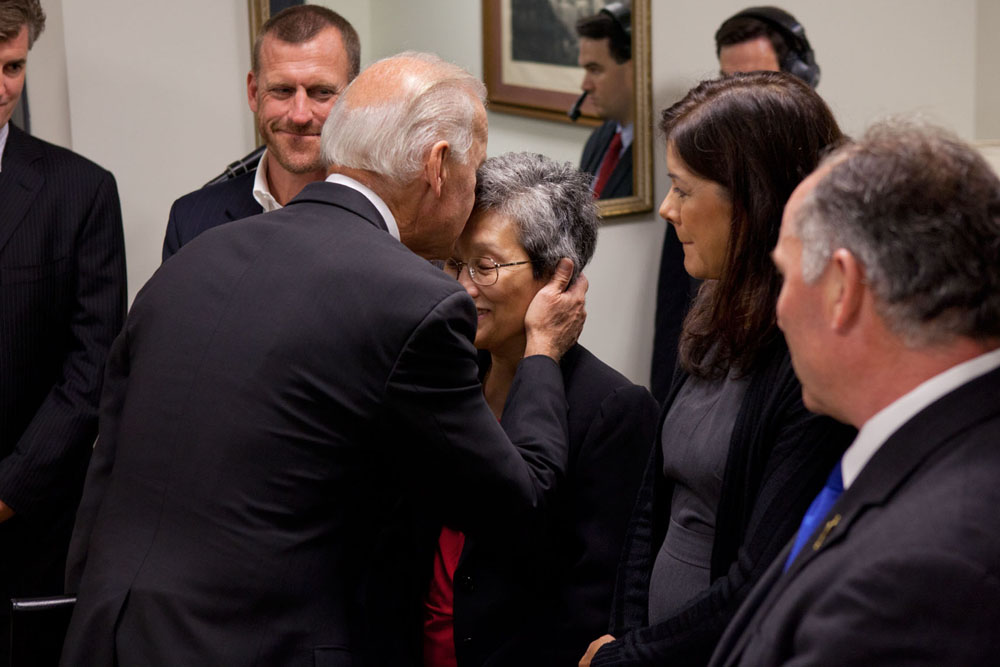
(620,182)
(675,290)
(779,457)
(910,572)
(209,207)
(541,602)
(62,302)
(276,388)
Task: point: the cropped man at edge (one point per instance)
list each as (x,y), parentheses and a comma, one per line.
(303,58)
(62,302)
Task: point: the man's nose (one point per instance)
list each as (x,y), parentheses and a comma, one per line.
(301,110)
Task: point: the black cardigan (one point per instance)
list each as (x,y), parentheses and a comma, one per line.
(779,456)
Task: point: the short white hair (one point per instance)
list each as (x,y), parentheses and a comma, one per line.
(391,138)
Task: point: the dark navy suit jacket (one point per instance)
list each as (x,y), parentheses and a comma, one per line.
(209,207)
(62,302)
(278,386)
(906,569)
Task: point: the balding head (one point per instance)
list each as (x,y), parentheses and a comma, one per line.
(397,109)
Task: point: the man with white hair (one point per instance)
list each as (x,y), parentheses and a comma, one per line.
(283,382)
(891,309)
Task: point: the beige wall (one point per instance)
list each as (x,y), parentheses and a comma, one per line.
(157,93)
(988,69)
(895,49)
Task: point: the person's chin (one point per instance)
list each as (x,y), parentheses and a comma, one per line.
(693,268)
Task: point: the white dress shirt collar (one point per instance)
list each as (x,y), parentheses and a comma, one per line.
(889,419)
(390,221)
(628,132)
(4,131)
(261,192)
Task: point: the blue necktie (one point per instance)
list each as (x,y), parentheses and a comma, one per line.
(817,511)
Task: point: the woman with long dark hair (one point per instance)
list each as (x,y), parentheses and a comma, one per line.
(738,457)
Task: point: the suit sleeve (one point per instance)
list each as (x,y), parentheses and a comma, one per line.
(99,471)
(48,461)
(800,455)
(459,458)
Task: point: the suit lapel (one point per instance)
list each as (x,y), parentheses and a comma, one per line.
(903,455)
(592,161)
(240,206)
(20,181)
(897,460)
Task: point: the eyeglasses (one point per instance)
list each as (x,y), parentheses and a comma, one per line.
(483,270)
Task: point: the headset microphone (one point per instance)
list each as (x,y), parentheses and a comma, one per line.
(574,113)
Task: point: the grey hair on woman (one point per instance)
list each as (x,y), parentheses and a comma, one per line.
(550,203)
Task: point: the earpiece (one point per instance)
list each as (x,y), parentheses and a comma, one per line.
(800,61)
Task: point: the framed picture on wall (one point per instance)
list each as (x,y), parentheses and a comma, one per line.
(262,10)
(530,52)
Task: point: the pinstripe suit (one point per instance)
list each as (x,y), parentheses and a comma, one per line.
(62,301)
(209,207)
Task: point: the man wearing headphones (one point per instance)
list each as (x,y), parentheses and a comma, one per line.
(757,38)
(606,57)
(765,38)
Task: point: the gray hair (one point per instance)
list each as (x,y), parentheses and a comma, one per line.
(391,139)
(920,210)
(551,204)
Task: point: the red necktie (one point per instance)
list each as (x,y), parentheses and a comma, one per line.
(608,164)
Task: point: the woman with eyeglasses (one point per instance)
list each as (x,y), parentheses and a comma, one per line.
(537,598)
(738,458)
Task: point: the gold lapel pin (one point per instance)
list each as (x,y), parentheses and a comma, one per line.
(830,525)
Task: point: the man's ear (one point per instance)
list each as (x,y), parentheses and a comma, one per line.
(252,91)
(847,288)
(435,168)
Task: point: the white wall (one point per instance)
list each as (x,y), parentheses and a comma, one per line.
(47,84)
(878,56)
(158,97)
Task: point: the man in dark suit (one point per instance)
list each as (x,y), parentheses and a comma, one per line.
(62,301)
(891,309)
(303,58)
(606,57)
(282,383)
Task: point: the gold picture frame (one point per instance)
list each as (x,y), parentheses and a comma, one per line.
(552,102)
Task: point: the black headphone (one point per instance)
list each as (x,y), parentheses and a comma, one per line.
(800,60)
(621,14)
